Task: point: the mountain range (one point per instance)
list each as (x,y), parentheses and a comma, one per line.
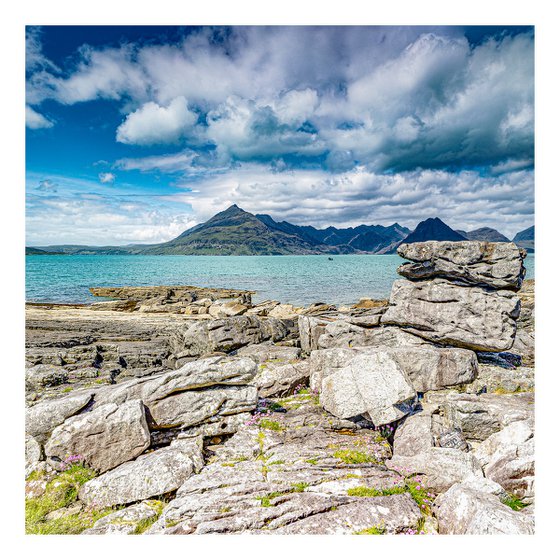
(236,232)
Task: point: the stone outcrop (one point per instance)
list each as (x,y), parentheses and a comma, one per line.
(371,385)
(477,263)
(428,368)
(150,475)
(106,437)
(225,335)
(445,313)
(463,510)
(43,418)
(459,293)
(272,419)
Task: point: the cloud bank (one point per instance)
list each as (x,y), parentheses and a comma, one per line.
(321,125)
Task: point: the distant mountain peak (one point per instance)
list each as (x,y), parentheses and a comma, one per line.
(433,229)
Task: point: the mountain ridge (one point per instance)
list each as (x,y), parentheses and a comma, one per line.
(234,231)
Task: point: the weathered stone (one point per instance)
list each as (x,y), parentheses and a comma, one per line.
(428,368)
(492,378)
(414,434)
(266,351)
(507,457)
(442,312)
(190,408)
(374,386)
(44,375)
(280,380)
(195,375)
(345,334)
(170,294)
(466,511)
(149,475)
(442,467)
(105,437)
(478,263)
(233,308)
(32,451)
(126,521)
(285,311)
(42,418)
(310,329)
(391,514)
(479,416)
(263,308)
(224,335)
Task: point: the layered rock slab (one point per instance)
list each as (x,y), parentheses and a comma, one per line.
(477,263)
(105,437)
(152,474)
(445,313)
(373,385)
(463,510)
(429,368)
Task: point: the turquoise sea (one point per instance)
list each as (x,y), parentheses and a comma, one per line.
(297,279)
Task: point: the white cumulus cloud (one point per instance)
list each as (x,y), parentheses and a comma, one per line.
(154,124)
(35,120)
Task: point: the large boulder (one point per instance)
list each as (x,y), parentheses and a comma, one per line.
(477,263)
(429,368)
(196,375)
(343,333)
(279,380)
(44,417)
(445,313)
(479,416)
(224,335)
(105,437)
(190,408)
(464,510)
(371,385)
(149,475)
(44,375)
(507,457)
(442,467)
(310,329)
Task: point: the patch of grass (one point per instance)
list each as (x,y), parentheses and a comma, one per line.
(312,461)
(367,492)
(353,456)
(61,492)
(514,502)
(267,424)
(225,509)
(375,530)
(67,390)
(296,487)
(276,463)
(234,461)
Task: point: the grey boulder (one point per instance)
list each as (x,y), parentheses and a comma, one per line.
(442,312)
(464,510)
(44,417)
(442,467)
(428,368)
(105,437)
(372,385)
(149,475)
(478,263)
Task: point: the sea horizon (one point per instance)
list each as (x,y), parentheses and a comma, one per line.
(296,279)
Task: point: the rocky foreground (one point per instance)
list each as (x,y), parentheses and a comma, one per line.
(187,410)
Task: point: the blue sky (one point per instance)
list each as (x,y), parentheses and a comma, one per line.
(135,134)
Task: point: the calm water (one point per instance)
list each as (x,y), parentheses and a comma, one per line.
(298,279)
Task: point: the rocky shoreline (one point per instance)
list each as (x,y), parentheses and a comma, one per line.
(192,410)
